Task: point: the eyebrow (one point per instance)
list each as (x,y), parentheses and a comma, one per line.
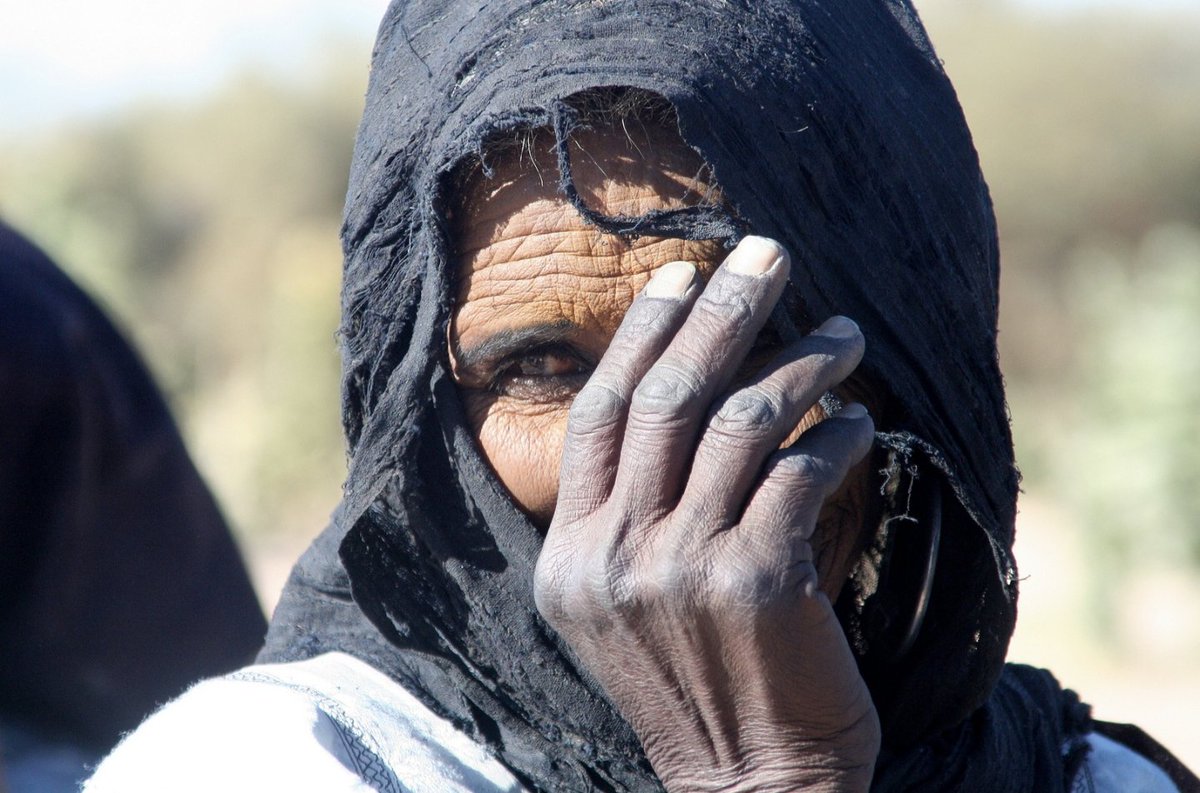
(504,343)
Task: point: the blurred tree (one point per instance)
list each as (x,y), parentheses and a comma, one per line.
(1088,128)
(1087,125)
(1129,460)
(212,231)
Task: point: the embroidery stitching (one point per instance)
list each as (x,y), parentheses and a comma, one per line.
(368,764)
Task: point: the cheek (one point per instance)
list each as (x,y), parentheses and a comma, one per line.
(523,444)
(846,522)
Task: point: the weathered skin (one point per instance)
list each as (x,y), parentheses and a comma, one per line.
(688,562)
(526,258)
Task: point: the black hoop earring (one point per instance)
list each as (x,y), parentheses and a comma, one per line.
(926,591)
(893,586)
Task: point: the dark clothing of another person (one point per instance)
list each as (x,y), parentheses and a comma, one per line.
(119,581)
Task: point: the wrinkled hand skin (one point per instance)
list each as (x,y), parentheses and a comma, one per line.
(679,562)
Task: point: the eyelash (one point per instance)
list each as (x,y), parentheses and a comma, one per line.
(508,380)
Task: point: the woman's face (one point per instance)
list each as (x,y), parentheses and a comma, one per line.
(540,294)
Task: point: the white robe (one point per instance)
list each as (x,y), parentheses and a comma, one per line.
(335,724)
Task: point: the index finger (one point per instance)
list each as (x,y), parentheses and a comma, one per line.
(597,419)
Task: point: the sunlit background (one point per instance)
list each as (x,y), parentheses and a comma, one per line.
(187,164)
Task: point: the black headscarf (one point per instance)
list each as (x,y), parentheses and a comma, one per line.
(829,126)
(120,583)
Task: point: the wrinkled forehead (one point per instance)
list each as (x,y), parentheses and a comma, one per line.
(521,250)
(626,166)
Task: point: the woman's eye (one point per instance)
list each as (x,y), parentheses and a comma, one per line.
(547,364)
(548,375)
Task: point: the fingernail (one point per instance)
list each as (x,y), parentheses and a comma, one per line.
(671,280)
(851,411)
(754,256)
(838,328)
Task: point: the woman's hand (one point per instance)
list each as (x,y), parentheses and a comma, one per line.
(679,564)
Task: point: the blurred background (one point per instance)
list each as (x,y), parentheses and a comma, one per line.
(187,165)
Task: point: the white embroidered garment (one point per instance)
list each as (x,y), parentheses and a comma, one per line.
(335,724)
(331,723)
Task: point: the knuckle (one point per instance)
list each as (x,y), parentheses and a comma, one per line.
(666,392)
(806,472)
(749,412)
(673,577)
(756,590)
(595,408)
(642,321)
(632,341)
(618,591)
(745,589)
(726,308)
(595,589)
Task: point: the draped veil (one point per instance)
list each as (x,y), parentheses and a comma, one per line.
(830,126)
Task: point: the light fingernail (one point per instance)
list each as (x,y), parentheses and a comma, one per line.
(851,411)
(838,328)
(671,280)
(754,256)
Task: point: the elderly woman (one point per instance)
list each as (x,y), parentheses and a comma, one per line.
(631,504)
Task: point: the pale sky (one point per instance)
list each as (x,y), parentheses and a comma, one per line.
(65,59)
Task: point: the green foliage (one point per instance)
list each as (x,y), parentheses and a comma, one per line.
(1131,461)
